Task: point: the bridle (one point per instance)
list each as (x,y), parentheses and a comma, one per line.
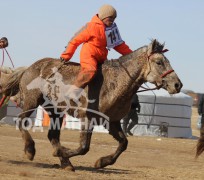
(165,73)
(148,59)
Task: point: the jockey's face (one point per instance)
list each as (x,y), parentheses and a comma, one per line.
(108,21)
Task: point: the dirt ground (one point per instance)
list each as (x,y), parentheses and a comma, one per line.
(146,157)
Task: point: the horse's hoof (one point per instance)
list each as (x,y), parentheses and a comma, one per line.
(30,155)
(98,164)
(103,162)
(69,168)
(30,152)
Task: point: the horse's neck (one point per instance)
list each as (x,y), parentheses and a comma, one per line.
(128,76)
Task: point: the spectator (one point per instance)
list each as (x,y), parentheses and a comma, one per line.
(132,115)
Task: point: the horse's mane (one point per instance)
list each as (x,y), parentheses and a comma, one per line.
(135,54)
(121,59)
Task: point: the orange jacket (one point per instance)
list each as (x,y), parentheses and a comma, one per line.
(94,39)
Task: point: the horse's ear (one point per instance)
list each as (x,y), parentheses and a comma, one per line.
(151,47)
(156,47)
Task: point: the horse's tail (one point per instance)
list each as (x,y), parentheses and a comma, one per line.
(14,80)
(200,146)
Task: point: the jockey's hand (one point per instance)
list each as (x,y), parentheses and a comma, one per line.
(64,61)
(3,42)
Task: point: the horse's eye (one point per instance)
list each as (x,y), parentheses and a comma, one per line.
(159,63)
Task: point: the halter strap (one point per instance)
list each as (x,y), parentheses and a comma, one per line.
(169,71)
(166,73)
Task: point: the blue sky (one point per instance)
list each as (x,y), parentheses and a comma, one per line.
(42,28)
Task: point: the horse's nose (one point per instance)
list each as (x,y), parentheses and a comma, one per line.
(178,86)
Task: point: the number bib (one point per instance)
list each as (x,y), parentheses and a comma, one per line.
(113,37)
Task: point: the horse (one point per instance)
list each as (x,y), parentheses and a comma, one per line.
(111,89)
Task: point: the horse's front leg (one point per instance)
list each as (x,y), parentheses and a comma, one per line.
(85,140)
(116,131)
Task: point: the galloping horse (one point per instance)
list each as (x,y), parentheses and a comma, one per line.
(111,89)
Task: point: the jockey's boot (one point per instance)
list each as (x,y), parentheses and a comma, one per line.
(74,93)
(83,78)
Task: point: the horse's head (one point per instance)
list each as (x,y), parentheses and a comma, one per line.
(159,70)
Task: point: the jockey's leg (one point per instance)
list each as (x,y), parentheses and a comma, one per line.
(83,78)
(86,74)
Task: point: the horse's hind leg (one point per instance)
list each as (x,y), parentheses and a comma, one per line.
(116,131)
(30,105)
(54,137)
(29,148)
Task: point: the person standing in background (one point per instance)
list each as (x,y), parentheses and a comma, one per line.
(132,115)
(201,113)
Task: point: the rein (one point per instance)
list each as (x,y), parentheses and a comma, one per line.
(149,89)
(4,49)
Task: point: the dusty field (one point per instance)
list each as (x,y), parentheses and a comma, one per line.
(145,158)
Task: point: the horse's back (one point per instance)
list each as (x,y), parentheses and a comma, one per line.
(47,68)
(52,62)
